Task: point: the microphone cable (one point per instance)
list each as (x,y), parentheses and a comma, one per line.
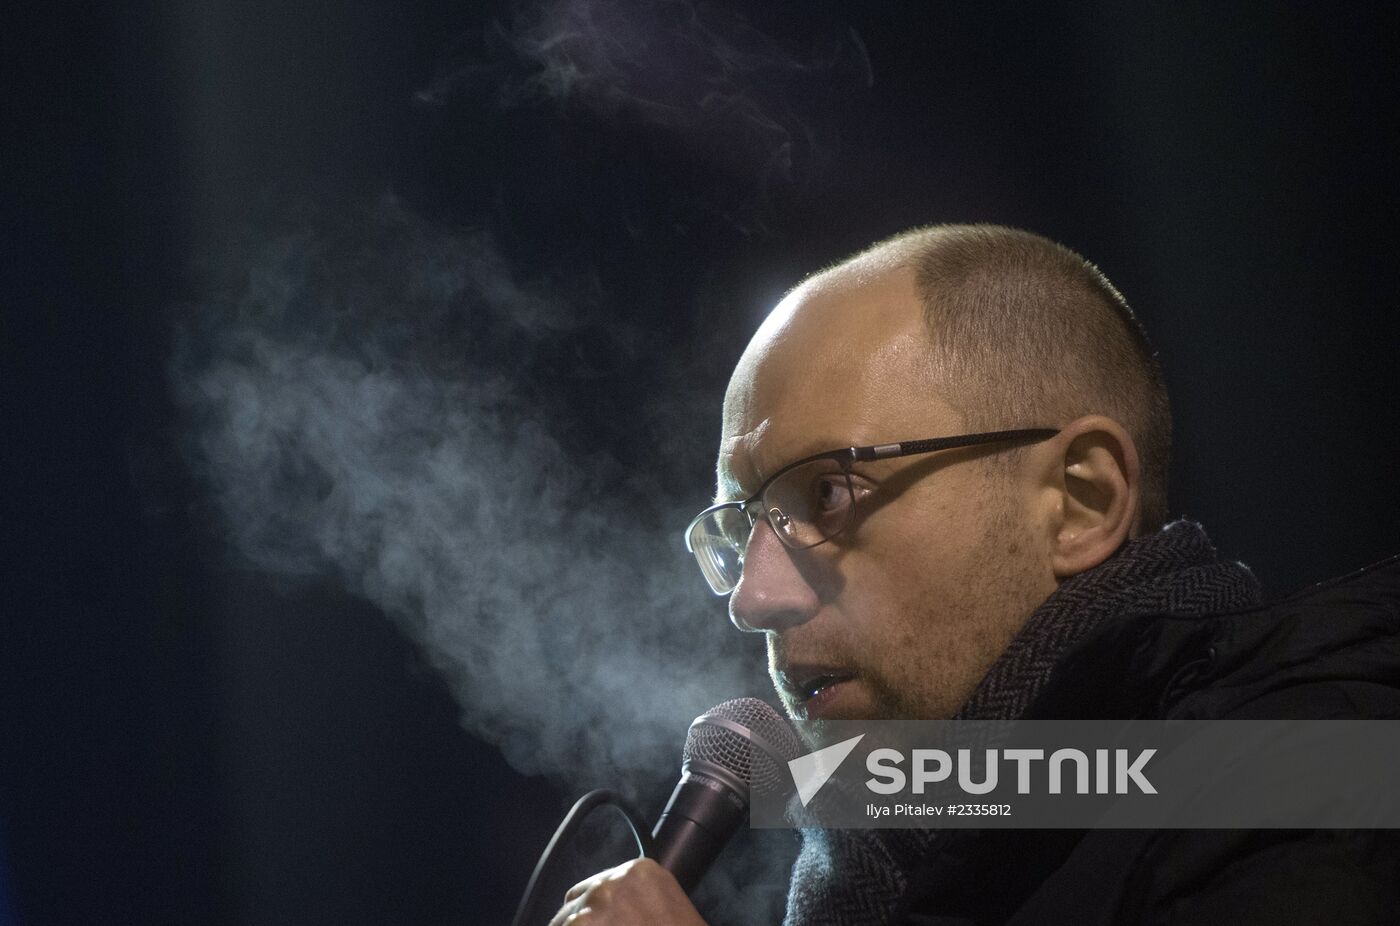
(566,831)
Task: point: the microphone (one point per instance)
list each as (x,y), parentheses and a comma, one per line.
(720,768)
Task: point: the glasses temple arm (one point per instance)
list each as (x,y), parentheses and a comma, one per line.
(906,448)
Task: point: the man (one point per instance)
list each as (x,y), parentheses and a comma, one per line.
(1017,566)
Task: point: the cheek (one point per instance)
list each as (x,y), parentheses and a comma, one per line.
(913,559)
(932,605)
(932,544)
(904,599)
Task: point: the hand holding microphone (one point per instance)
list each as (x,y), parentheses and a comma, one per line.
(635,893)
(733,750)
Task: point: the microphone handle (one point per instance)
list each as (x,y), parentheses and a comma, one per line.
(702,815)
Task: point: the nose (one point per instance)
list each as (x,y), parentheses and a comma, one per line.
(772,593)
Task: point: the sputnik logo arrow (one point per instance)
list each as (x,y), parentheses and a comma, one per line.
(811,771)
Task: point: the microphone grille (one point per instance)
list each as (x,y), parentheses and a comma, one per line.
(715,737)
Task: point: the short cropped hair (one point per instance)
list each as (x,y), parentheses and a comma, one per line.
(1026,332)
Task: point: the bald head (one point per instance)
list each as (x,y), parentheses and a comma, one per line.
(1023,331)
(843,356)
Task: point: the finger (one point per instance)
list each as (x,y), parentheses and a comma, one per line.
(578,890)
(565,912)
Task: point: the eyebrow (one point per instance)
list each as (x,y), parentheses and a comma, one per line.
(805,449)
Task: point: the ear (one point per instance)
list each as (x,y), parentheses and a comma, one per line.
(1095,487)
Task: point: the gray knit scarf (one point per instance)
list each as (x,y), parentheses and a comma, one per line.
(858,877)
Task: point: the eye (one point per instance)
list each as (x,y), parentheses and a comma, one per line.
(809,503)
(831,494)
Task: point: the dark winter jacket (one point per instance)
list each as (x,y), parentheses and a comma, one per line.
(1332,651)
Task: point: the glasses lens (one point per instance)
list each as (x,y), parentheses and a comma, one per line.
(718,541)
(810,504)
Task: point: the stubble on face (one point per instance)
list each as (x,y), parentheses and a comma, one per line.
(948,608)
(943,649)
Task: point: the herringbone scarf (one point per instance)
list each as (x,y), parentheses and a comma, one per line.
(858,877)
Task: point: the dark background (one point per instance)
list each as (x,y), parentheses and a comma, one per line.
(184,741)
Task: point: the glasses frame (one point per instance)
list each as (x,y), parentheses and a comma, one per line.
(848,457)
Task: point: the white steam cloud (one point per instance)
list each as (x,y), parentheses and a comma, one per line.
(361,410)
(363,406)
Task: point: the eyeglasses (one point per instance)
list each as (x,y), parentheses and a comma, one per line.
(807,502)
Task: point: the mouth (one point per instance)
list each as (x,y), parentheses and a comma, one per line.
(812,689)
